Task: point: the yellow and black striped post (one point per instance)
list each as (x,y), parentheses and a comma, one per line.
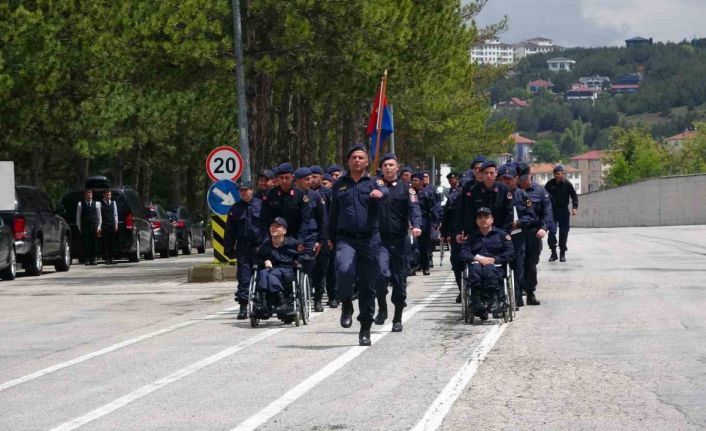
(218,228)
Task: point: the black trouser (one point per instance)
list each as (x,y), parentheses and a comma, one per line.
(518,264)
(425,246)
(456,264)
(108,241)
(561,219)
(320,272)
(246,259)
(394,268)
(88,238)
(533,248)
(331,275)
(357,264)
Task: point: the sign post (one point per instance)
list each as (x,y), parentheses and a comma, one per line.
(224,166)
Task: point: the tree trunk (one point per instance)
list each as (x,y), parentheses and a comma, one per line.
(324,125)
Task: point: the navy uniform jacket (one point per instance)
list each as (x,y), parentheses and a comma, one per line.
(244,228)
(497,244)
(450,209)
(560,193)
(475,195)
(320,219)
(353,211)
(541,206)
(526,217)
(429,205)
(399,210)
(291,206)
(285,255)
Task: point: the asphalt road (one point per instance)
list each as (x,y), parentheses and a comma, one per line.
(618,343)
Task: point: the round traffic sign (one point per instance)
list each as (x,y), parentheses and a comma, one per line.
(224,163)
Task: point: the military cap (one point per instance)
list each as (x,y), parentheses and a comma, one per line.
(387,156)
(285,168)
(523,171)
(559,168)
(488,164)
(483,210)
(507,171)
(280,221)
(478,159)
(333,168)
(356,147)
(318,170)
(302,173)
(418,175)
(407,169)
(327,177)
(267,174)
(246,185)
(451,175)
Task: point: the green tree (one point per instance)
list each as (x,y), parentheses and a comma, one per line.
(546,150)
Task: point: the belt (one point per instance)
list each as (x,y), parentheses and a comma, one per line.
(355,235)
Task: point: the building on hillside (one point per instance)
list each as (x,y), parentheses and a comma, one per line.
(539,86)
(536,45)
(579,92)
(523,148)
(675,142)
(559,64)
(504,158)
(543,172)
(493,52)
(593,167)
(617,89)
(628,79)
(638,41)
(601,82)
(513,103)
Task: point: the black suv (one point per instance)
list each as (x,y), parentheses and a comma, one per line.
(8,261)
(189,230)
(40,234)
(134,237)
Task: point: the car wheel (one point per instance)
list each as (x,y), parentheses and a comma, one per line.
(64,262)
(35,263)
(187,247)
(202,249)
(135,256)
(10,272)
(150,254)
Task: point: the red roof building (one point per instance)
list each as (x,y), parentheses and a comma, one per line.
(676,141)
(540,85)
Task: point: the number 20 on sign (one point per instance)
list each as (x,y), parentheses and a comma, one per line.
(224,163)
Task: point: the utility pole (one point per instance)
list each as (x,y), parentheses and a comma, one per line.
(240,82)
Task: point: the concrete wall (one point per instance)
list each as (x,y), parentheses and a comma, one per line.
(665,201)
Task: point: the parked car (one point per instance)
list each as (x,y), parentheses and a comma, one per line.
(164,232)
(134,237)
(8,260)
(189,229)
(40,235)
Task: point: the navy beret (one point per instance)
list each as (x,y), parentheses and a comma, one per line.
(327,177)
(246,185)
(488,164)
(302,173)
(280,221)
(285,168)
(507,171)
(406,169)
(267,174)
(318,170)
(478,159)
(333,168)
(523,170)
(418,175)
(559,168)
(387,156)
(356,147)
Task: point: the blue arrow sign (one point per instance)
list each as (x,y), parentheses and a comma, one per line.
(222,195)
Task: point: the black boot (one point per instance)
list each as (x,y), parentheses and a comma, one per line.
(284,306)
(346,313)
(382,311)
(562,256)
(553,257)
(531,299)
(318,306)
(243,313)
(458,299)
(397,319)
(364,334)
(333,303)
(519,302)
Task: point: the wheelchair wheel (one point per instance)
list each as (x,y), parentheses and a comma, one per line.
(252,294)
(510,292)
(304,297)
(464,294)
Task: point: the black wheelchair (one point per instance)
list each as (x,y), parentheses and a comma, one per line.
(467,309)
(261,305)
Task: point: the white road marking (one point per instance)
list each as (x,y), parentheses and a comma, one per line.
(174,377)
(442,404)
(109,349)
(148,389)
(296,392)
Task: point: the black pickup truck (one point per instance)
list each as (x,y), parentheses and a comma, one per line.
(40,235)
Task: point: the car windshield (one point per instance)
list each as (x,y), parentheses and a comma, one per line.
(172,214)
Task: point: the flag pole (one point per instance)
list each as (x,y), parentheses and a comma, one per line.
(378,126)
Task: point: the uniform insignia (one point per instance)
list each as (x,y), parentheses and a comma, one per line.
(300,248)
(509,195)
(412,191)
(507,237)
(305,198)
(291,192)
(529,203)
(323,201)
(342,188)
(394,184)
(381,182)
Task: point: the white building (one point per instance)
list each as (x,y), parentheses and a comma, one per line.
(559,64)
(543,172)
(493,52)
(536,45)
(600,82)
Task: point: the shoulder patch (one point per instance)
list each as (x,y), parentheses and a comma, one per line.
(300,247)
(412,191)
(380,182)
(305,198)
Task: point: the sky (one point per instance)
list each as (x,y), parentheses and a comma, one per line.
(591,23)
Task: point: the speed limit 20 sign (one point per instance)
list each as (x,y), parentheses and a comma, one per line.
(224,163)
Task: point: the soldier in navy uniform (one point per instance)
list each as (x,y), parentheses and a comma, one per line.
(88,222)
(471,174)
(321,268)
(447,228)
(534,234)
(353,228)
(265,181)
(109,228)
(430,218)
(398,212)
(290,203)
(335,171)
(488,246)
(406,174)
(326,181)
(243,234)
(561,190)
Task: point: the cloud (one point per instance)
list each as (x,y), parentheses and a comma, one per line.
(663,20)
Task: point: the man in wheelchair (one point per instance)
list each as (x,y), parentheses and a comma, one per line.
(487,251)
(277,259)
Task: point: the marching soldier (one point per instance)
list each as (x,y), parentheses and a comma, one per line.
(561,191)
(447,231)
(320,277)
(430,217)
(353,229)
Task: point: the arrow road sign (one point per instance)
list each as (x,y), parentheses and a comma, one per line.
(222,195)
